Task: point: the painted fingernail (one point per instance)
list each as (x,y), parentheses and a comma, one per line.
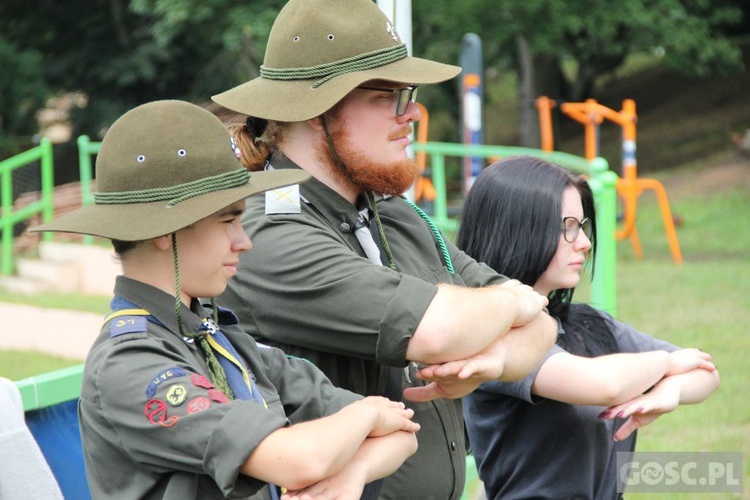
(604,414)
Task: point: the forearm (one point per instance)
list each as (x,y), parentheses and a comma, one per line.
(382,456)
(375,459)
(305,453)
(605,380)
(694,386)
(524,346)
(460,322)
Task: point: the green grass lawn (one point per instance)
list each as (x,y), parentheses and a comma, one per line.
(702,303)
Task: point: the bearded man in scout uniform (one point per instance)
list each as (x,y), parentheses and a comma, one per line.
(177,402)
(372,283)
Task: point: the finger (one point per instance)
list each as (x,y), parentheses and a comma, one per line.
(626,429)
(708,366)
(451,368)
(424,393)
(471,368)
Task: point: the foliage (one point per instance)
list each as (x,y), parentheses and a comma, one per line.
(22,93)
(121,53)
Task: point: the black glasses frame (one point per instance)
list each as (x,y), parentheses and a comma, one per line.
(405,96)
(570,230)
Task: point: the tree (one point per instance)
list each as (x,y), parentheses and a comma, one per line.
(537,36)
(121,54)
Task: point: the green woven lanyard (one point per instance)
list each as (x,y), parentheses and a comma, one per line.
(218,375)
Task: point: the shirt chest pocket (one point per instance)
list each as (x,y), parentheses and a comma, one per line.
(442,275)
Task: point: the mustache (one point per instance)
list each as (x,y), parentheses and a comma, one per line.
(403,131)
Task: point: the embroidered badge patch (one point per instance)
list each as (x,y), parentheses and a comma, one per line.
(198,404)
(201,381)
(284,200)
(156,411)
(128,324)
(176,394)
(167,374)
(218,396)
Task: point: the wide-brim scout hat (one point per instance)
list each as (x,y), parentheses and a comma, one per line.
(320,50)
(163,166)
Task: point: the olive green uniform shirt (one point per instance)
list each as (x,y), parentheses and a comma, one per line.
(154,427)
(307,287)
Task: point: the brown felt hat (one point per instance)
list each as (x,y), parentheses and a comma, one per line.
(163,166)
(319,51)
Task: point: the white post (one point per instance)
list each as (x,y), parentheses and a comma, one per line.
(399,12)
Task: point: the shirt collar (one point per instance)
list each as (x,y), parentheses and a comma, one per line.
(160,304)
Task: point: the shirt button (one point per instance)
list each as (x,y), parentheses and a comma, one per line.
(453,446)
(345,227)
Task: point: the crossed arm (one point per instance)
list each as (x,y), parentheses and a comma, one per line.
(620,381)
(686,388)
(471,335)
(374,434)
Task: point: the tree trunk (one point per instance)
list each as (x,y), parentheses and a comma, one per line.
(528,127)
(539,75)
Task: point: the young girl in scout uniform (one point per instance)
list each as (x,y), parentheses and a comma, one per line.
(177,402)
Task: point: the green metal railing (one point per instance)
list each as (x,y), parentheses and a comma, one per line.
(43,205)
(601,180)
(86,149)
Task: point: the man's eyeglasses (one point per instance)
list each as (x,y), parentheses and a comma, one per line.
(571,226)
(404,95)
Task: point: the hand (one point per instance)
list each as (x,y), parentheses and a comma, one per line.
(640,411)
(456,379)
(528,302)
(392,416)
(685,360)
(346,484)
(633,423)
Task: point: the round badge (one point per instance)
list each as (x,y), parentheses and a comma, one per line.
(198,404)
(176,394)
(156,411)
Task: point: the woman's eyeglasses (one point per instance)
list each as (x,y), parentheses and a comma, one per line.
(571,226)
(404,96)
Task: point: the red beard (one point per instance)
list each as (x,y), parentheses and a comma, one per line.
(367,173)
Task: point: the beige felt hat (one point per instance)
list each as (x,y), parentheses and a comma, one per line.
(319,51)
(163,166)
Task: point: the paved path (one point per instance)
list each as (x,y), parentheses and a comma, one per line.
(54,331)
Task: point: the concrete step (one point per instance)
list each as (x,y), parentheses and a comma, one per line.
(23,286)
(53,251)
(72,268)
(62,277)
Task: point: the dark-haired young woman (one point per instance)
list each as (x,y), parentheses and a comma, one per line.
(556,433)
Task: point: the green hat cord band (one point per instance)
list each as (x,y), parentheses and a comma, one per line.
(328,71)
(175,194)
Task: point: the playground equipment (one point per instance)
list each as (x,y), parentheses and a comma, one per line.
(11,217)
(86,149)
(50,404)
(601,180)
(629,186)
(423,188)
(472,95)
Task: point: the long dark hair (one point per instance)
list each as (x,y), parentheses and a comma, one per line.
(512,222)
